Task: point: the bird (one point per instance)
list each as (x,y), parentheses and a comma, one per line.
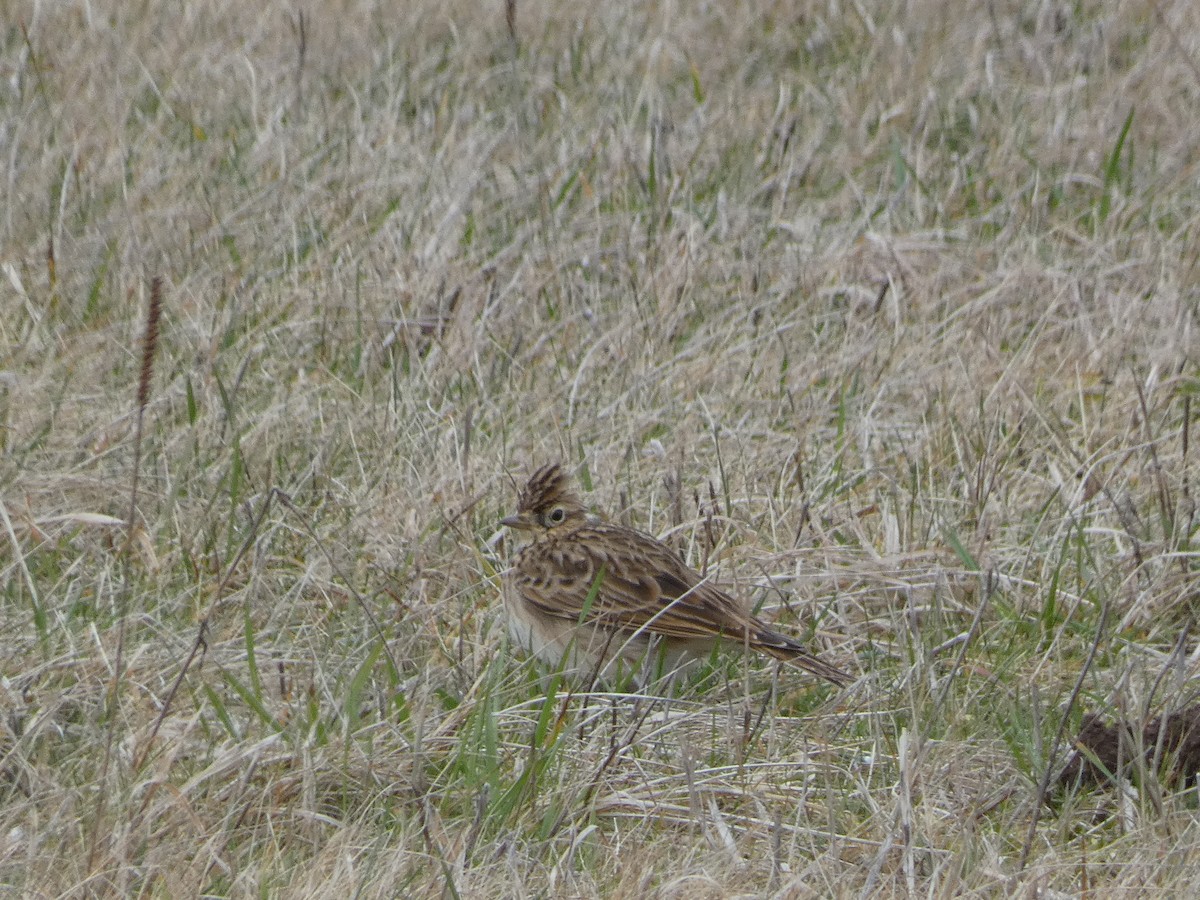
(593,595)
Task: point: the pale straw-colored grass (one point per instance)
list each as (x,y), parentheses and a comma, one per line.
(884,311)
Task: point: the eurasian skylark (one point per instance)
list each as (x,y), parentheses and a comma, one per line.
(593,593)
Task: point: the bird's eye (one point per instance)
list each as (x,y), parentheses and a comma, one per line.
(557,514)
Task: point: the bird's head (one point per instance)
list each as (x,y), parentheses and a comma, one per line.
(547,503)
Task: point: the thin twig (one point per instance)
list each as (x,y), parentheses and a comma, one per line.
(1044,785)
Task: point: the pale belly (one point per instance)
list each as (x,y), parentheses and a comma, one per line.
(589,652)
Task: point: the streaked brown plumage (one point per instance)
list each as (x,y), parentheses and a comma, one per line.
(592,592)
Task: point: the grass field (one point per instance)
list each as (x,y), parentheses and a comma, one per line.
(886,313)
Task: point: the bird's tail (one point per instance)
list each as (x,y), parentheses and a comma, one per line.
(782,647)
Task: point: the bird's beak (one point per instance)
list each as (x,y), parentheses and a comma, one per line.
(514,522)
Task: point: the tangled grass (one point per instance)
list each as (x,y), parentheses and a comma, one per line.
(885,312)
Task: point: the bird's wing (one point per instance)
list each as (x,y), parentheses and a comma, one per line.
(633,583)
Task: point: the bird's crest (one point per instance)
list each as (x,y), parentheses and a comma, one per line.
(548,487)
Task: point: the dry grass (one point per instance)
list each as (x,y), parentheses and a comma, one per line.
(887,313)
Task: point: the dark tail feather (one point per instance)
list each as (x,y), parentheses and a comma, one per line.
(789,650)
